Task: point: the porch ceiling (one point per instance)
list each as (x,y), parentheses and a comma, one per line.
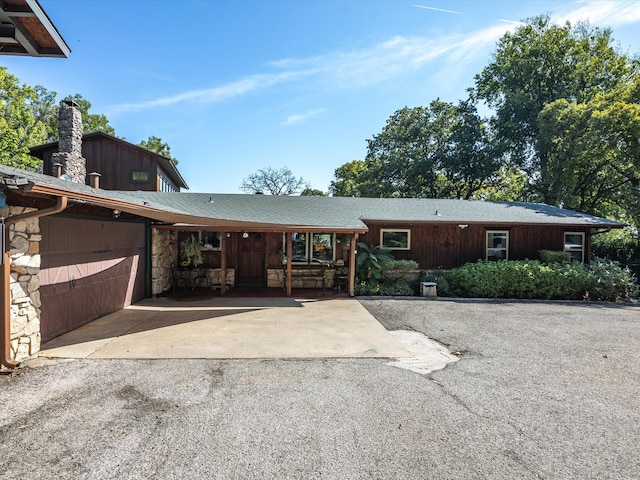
(27,30)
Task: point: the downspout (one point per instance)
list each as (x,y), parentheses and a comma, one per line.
(5,278)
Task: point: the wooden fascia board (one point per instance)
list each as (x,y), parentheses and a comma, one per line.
(229,226)
(494,224)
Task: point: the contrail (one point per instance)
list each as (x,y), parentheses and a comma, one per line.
(436,9)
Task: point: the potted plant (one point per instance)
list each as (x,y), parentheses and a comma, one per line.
(191,252)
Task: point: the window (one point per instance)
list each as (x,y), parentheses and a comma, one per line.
(166,185)
(574,244)
(497,245)
(398,239)
(311,248)
(208,240)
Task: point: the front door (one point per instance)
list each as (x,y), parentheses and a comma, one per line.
(251,269)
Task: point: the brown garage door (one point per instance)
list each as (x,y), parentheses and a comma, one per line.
(89,268)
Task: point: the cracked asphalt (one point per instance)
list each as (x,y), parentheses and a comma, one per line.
(542,390)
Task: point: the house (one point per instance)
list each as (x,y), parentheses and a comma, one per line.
(74,252)
(116,164)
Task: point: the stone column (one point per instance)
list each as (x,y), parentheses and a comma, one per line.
(69,153)
(24,252)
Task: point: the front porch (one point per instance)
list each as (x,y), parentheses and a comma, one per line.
(275,263)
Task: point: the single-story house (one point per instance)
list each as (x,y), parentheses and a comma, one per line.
(74,252)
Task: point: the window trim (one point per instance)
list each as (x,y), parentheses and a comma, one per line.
(487,247)
(309,247)
(582,246)
(395,230)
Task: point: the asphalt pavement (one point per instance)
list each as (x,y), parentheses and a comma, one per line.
(542,390)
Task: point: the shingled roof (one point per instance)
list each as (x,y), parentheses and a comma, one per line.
(242,211)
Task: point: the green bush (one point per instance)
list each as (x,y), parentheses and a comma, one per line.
(520,279)
(367,289)
(610,281)
(548,257)
(403,265)
(603,279)
(398,287)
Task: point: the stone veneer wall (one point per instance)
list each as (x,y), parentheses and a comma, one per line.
(69,153)
(164,255)
(24,254)
(275,278)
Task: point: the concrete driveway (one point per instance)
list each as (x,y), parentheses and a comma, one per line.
(232,328)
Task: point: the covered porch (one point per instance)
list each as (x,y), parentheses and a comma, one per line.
(258,260)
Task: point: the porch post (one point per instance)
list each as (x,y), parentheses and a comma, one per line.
(223,262)
(352,265)
(289,259)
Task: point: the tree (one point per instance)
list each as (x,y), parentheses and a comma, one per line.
(312,192)
(440,151)
(348,178)
(533,67)
(274,181)
(593,153)
(23,120)
(156,145)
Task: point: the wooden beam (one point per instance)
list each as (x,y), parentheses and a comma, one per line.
(223,262)
(289,261)
(352,265)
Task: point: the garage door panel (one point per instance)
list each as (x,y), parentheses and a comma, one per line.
(88,281)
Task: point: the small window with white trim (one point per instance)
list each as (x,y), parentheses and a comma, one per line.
(497,245)
(574,244)
(395,239)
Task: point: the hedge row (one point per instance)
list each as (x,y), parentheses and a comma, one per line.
(600,280)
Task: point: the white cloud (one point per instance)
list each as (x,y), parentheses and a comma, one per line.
(380,62)
(608,13)
(301,117)
(215,94)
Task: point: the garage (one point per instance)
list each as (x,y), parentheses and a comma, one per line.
(89,268)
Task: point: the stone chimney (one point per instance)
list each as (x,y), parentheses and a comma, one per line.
(69,153)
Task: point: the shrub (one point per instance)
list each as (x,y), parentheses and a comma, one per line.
(548,257)
(610,281)
(520,279)
(404,265)
(370,288)
(399,287)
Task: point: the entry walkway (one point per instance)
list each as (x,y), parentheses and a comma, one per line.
(232,328)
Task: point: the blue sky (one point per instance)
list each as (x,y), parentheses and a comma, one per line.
(235,86)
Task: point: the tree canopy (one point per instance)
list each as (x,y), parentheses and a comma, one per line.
(564,129)
(536,65)
(275,181)
(438,151)
(156,145)
(29,117)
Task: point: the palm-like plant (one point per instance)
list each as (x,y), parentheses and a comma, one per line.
(370,261)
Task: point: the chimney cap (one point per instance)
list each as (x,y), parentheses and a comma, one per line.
(71,103)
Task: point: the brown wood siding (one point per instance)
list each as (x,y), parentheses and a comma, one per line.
(88,269)
(114,161)
(449,246)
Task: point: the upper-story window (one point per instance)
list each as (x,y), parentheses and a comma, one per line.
(497,245)
(166,185)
